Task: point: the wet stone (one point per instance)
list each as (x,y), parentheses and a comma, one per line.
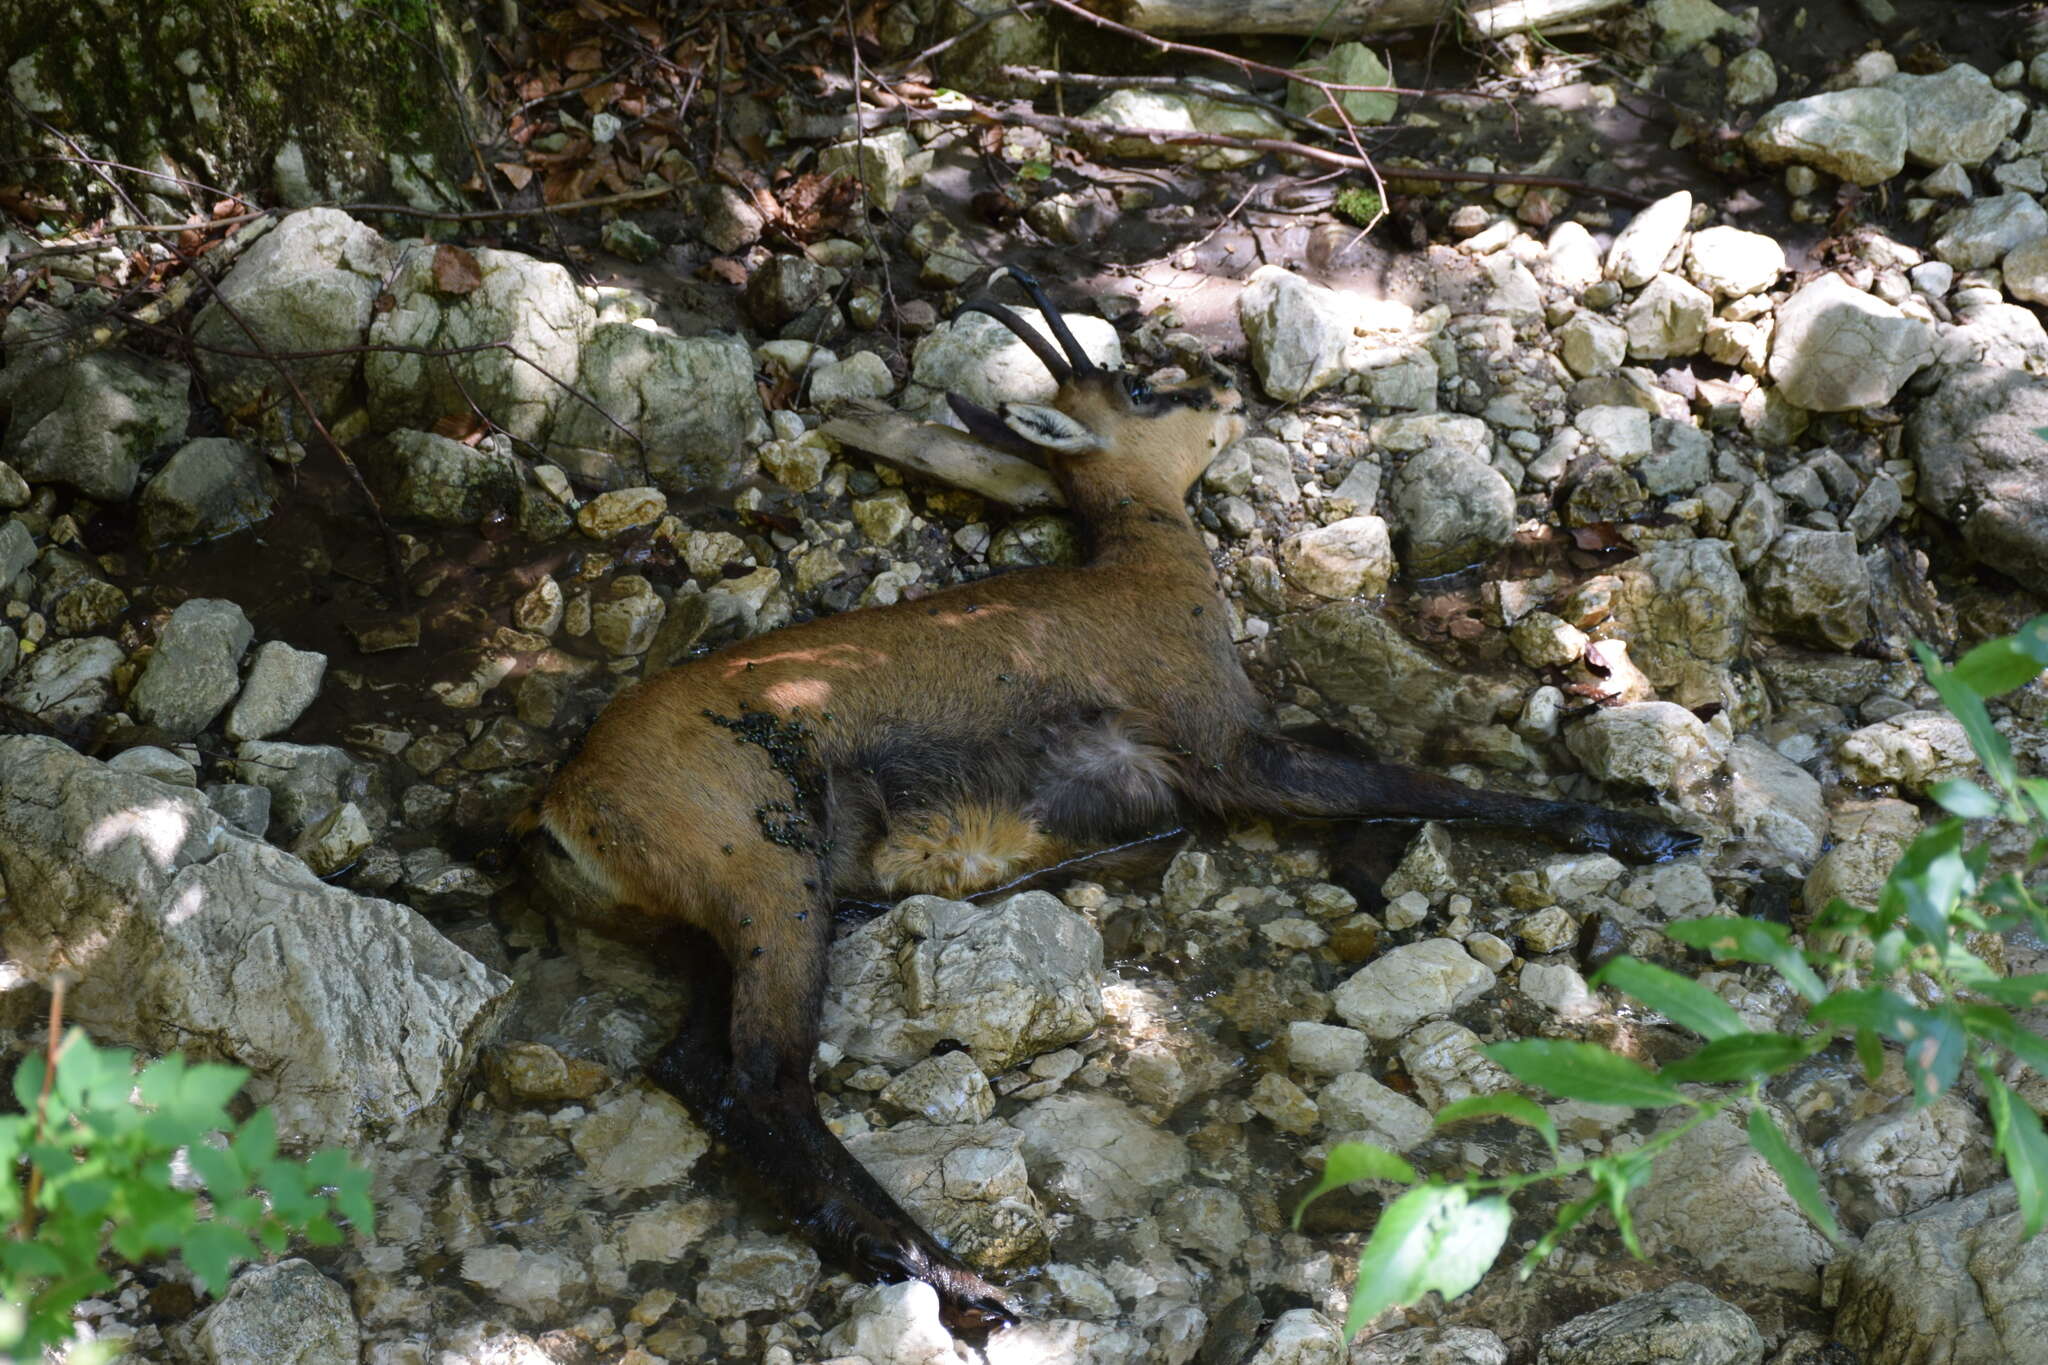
(1094,1154)
(210,487)
(1207,1221)
(1283,1104)
(948,1088)
(1680,1322)
(1408,984)
(196,668)
(621,510)
(282,683)
(636,1140)
(627,616)
(1356,1104)
(287,1312)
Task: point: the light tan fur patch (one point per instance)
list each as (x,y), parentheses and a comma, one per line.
(956,852)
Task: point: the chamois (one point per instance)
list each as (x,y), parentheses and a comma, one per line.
(720,810)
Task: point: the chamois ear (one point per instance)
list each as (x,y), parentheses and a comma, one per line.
(1026,430)
(1050,428)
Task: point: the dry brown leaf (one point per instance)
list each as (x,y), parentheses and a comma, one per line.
(728,269)
(516,172)
(585,58)
(455,270)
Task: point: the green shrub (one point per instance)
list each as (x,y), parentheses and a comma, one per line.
(1358,204)
(93,1155)
(1853,973)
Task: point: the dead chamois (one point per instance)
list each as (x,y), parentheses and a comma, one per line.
(719,811)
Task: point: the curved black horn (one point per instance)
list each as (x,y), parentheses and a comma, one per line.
(1026,333)
(1082,364)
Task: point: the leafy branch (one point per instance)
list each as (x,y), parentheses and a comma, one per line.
(1901,972)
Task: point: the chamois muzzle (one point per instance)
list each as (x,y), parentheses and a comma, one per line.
(1063,368)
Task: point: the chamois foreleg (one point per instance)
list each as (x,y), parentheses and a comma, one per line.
(741,1063)
(1280,776)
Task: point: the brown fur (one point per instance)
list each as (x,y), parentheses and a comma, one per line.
(949,744)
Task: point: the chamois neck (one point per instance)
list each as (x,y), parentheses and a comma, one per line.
(1139,526)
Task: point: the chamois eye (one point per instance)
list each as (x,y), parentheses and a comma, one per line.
(1136,389)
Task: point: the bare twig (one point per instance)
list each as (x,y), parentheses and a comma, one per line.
(912,62)
(51,1047)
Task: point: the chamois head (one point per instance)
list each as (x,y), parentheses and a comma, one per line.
(1105,429)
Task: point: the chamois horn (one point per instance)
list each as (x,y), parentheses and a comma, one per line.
(1063,368)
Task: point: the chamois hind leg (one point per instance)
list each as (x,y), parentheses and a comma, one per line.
(747,1077)
(1283,777)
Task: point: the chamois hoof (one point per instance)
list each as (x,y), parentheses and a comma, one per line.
(1636,838)
(967,1303)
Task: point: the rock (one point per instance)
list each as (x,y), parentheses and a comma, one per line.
(690,401)
(948,1088)
(282,1314)
(1687,616)
(1774,801)
(1207,1221)
(147,760)
(534,1073)
(1712,1197)
(1837,348)
(184,933)
(1397,694)
(639,1139)
(755,1274)
(1868,837)
(1981,467)
(282,683)
(1325,1049)
(1189,881)
(1814,583)
(625,619)
(1347,558)
(1591,345)
(1344,64)
(1680,1322)
(532,1283)
(305,781)
(310,284)
(334,843)
(1651,237)
(1903,1159)
(210,487)
(783,287)
(66,685)
(17,549)
(1669,318)
(861,375)
(1284,1104)
(1752,78)
(1730,263)
(1431,1346)
(1956,1283)
(1655,744)
(1446,1064)
(874,161)
(1417,981)
(966,1183)
(895,1324)
(2003,335)
(1981,233)
(1356,1105)
(2025,271)
(1030,542)
(448,483)
(1161,111)
(1915,749)
(1453,509)
(613,514)
(1955,116)
(91,423)
(1300,1336)
(1009,981)
(1094,1154)
(1877,507)
(729,220)
(533,307)
(1558,987)
(626,238)
(196,669)
(981,360)
(1298,332)
(1859,134)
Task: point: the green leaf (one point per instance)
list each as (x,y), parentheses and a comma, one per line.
(256,1142)
(1870,1052)
(1750,940)
(2020,992)
(1934,1052)
(1791,1167)
(225,1177)
(2017,1130)
(1993,1023)
(1962,797)
(1582,1071)
(1964,702)
(1681,999)
(1434,1237)
(1998,666)
(1519,1108)
(28,1082)
(212,1250)
(1743,1056)
(1347,1163)
(1928,881)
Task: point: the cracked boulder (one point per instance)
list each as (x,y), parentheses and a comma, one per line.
(356,1018)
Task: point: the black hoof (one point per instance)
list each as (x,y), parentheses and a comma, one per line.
(1636,838)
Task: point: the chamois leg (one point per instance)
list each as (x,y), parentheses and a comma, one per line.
(742,1064)
(1283,777)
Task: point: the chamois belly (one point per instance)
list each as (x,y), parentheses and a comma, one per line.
(953,819)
